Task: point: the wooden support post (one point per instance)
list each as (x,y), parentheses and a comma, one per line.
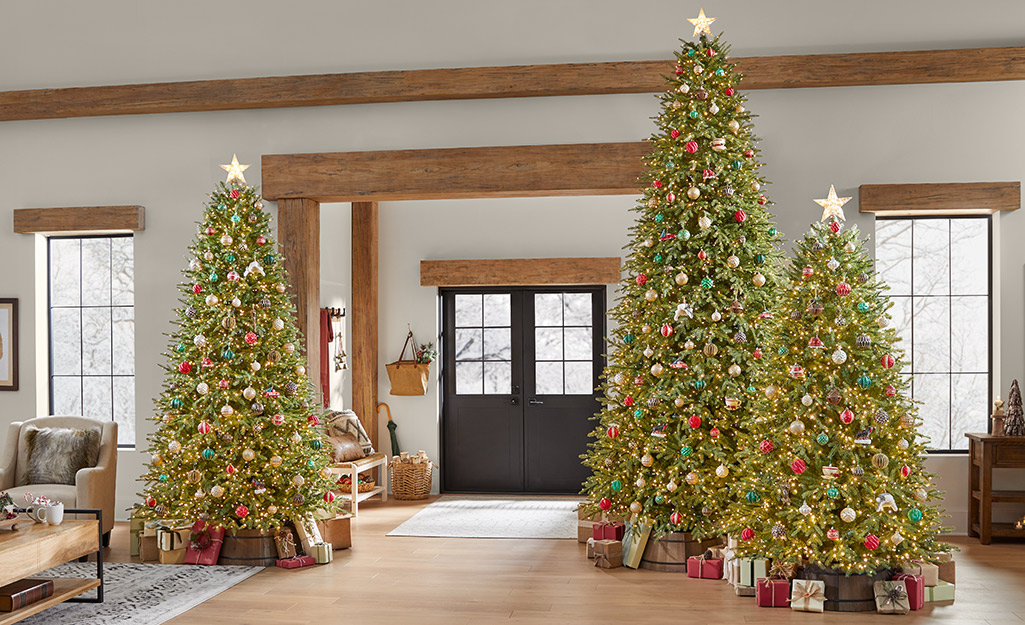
(364,316)
(299,235)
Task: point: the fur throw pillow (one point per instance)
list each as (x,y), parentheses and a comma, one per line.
(337,423)
(55,455)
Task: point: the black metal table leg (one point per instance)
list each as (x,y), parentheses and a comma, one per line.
(99,554)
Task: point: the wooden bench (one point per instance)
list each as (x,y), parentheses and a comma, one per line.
(353,469)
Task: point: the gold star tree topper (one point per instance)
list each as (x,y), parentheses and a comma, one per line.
(833,205)
(701,23)
(235,170)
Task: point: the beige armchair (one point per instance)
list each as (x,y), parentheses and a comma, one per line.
(94,487)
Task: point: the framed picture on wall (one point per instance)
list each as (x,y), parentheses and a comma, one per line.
(8,344)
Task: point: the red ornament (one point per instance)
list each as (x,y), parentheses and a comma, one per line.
(207,362)
(670,197)
(798,466)
(185,367)
(234,194)
(260,240)
(749,153)
(241,511)
(197,289)
(639,381)
(710,52)
(251,338)
(674,133)
(691,146)
(807,271)
(815,342)
(210,230)
(766,446)
(847,415)
(694,421)
(747,533)
(151,502)
(613,431)
(905,471)
(871,541)
(843,289)
(679,72)
(708,173)
(887,361)
(278,419)
(833,534)
(605,504)
(740,216)
(223,384)
(629,401)
(890,391)
(329,497)
(666,329)
(757,353)
(641,279)
(204,427)
(762,200)
(230,469)
(714,432)
(834,226)
(702,255)
(657,184)
(676,518)
(313,420)
(797,372)
(730,91)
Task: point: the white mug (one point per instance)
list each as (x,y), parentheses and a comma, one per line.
(53,515)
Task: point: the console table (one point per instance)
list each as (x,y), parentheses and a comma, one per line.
(987,452)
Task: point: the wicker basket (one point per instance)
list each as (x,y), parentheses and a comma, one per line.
(411,481)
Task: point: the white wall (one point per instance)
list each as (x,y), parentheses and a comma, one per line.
(811,138)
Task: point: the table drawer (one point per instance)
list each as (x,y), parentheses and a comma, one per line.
(1009,456)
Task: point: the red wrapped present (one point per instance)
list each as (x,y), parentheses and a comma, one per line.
(296,562)
(772,593)
(204,544)
(704,568)
(915,587)
(605,530)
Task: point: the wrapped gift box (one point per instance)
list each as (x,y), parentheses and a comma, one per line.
(323,553)
(892,597)
(170,538)
(744,591)
(943,591)
(296,562)
(136,525)
(284,543)
(608,530)
(704,568)
(945,563)
(172,556)
(337,531)
(204,544)
(750,571)
(608,554)
(914,585)
(585,524)
(634,541)
(148,551)
(808,595)
(772,593)
(929,571)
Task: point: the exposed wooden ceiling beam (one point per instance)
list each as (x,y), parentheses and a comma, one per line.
(518,81)
(951,198)
(520,271)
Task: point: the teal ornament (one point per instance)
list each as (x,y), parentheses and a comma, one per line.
(228,354)
(163,477)
(659,499)
(751,389)
(658,258)
(782,351)
(753,497)
(269,259)
(683,234)
(213,277)
(311,463)
(691,52)
(822,439)
(833,492)
(915,515)
(208,454)
(864,381)
(315,444)
(760,258)
(706,283)
(230,258)
(616,486)
(659,217)
(176,403)
(863,306)
(180,347)
(700,384)
(235,219)
(693,114)
(720,72)
(628,339)
(773,232)
(685,451)
(737,165)
(638,413)
(222,206)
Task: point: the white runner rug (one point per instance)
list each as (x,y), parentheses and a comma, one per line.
(536,517)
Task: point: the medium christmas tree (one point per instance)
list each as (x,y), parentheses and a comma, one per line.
(686,349)
(237,443)
(833,470)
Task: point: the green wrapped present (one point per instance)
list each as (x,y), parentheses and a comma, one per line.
(942,591)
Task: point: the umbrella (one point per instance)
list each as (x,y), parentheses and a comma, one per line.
(391,429)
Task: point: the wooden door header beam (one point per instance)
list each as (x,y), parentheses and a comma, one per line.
(952,198)
(516,81)
(79,219)
(455,173)
(520,271)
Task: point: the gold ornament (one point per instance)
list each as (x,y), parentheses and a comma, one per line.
(647,460)
(651,295)
(298,480)
(300,370)
(693,193)
(275,461)
(733,262)
(278,324)
(678,402)
(248,454)
(710,349)
(734,370)
(656,369)
(174,447)
(770,391)
(646,329)
(289,348)
(758,279)
(194,476)
(880,461)
(704,222)
(692,478)
(640,482)
(217,491)
(701,24)
(227,410)
(833,205)
(272,509)
(235,170)
(921,495)
(635,507)
(681,278)
(255,366)
(689,344)
(156,460)
(797,427)
(733,126)
(648,242)
(648,352)
(848,515)
(722,470)
(249,392)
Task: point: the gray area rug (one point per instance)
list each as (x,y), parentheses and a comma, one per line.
(141,594)
(494,518)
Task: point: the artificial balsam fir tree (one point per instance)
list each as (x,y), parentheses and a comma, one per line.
(833,471)
(689,339)
(237,443)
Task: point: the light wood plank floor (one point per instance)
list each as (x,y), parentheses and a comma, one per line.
(423,581)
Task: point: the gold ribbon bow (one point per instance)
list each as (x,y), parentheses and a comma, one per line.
(805,592)
(782,570)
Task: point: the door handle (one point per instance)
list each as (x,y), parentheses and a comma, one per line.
(514,401)
(535,402)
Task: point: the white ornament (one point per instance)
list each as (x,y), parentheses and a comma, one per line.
(298,480)
(217,491)
(806,400)
(716,316)
(233,276)
(226,240)
(278,324)
(249,392)
(640,482)
(289,348)
(212,300)
(719,144)
(255,366)
(199,340)
(683,309)
(833,264)
(734,370)
(839,356)
(704,222)
(722,470)
(883,321)
(202,388)
(296,438)
(280,287)
(848,515)
(254,267)
(301,370)
(272,509)
(236,302)
(227,410)
(902,444)
(805,509)
(713,109)
(770,391)
(648,352)
(849,248)
(671,486)
(896,539)
(195,265)
(733,261)
(174,447)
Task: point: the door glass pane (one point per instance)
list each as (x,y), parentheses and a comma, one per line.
(969,247)
(497,378)
(65,272)
(579,378)
(577,309)
(893,255)
(548,343)
(548,378)
(578,344)
(932,334)
(468,311)
(96,272)
(931,247)
(469,345)
(548,309)
(497,344)
(469,378)
(496,309)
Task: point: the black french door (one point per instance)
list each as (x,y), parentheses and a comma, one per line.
(520,367)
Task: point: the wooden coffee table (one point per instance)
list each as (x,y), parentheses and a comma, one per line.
(34,548)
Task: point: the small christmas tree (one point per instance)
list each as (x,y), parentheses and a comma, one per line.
(237,443)
(686,349)
(832,469)
(1014,422)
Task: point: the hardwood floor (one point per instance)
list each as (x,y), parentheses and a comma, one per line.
(424,581)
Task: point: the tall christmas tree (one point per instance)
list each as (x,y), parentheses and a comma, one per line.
(237,443)
(833,469)
(700,277)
